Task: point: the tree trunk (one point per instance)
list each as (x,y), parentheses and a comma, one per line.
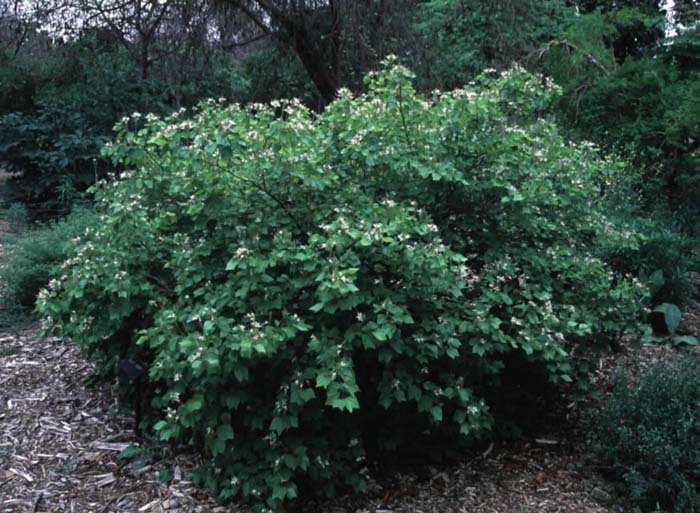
(317,51)
(322,73)
(144,62)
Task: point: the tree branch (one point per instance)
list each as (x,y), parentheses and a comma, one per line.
(567,44)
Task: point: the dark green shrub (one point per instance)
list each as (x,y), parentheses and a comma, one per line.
(51,154)
(664,254)
(669,257)
(273,73)
(17,86)
(17,217)
(663,259)
(650,435)
(459,38)
(31,256)
(630,88)
(307,290)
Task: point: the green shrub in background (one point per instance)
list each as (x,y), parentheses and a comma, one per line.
(665,255)
(650,435)
(17,85)
(664,259)
(630,87)
(58,107)
(52,155)
(670,257)
(459,38)
(301,287)
(30,256)
(17,218)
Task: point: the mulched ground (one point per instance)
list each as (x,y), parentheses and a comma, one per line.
(60,441)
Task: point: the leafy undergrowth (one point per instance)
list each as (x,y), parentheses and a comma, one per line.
(646,431)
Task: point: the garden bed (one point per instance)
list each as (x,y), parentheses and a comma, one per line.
(60,442)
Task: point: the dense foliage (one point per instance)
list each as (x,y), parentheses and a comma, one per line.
(51,156)
(648,434)
(307,291)
(30,256)
(57,110)
(462,37)
(632,89)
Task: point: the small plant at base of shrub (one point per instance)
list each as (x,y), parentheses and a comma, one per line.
(650,435)
(302,286)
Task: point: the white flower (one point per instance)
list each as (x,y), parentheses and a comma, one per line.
(389,59)
(242,252)
(344,92)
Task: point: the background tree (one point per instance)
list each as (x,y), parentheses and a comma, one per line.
(336,41)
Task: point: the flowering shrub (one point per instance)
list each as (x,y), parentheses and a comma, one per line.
(300,286)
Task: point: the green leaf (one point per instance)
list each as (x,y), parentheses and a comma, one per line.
(194,404)
(240,372)
(212,359)
(133,451)
(323,380)
(685,339)
(279,492)
(384,332)
(165,475)
(160,425)
(224,432)
(317,307)
(656,281)
(349,403)
(672,316)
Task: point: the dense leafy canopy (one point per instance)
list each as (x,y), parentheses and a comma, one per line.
(298,284)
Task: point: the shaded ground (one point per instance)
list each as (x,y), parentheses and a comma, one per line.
(59,440)
(60,443)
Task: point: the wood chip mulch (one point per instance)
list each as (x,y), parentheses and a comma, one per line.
(60,442)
